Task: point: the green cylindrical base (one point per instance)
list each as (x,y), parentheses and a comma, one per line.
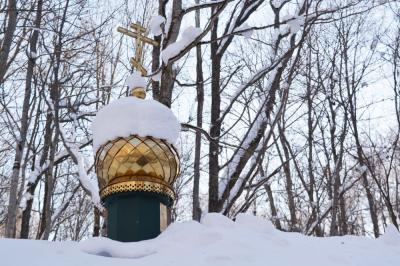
(135,216)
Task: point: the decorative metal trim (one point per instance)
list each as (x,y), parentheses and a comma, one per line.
(146,186)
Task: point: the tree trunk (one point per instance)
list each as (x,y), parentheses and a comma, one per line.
(168,73)
(96,223)
(371,205)
(289,183)
(215,130)
(274,212)
(5,49)
(26,214)
(12,207)
(199,123)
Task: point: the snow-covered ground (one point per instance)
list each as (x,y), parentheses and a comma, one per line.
(215,241)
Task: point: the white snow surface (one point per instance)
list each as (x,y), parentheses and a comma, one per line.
(135,80)
(187,37)
(215,241)
(133,116)
(155,25)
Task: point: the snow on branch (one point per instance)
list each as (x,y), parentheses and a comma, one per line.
(295,23)
(172,50)
(233,179)
(236,22)
(76,155)
(86,182)
(34,175)
(63,206)
(24,200)
(205,5)
(257,76)
(155,25)
(343,190)
(245,30)
(253,132)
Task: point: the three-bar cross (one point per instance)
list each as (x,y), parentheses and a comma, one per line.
(139,34)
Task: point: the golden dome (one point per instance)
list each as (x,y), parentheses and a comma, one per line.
(136,164)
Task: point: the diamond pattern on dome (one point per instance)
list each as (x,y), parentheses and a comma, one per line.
(142,161)
(133,158)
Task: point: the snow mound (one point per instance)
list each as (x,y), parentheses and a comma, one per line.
(133,116)
(213,242)
(135,80)
(217,220)
(255,223)
(109,248)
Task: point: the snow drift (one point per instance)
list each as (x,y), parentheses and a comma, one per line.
(217,240)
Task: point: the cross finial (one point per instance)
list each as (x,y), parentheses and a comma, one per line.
(140,34)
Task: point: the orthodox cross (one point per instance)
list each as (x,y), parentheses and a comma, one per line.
(140,34)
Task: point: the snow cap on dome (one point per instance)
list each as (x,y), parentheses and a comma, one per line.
(133,116)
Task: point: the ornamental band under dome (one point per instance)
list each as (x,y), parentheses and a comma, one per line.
(136,163)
